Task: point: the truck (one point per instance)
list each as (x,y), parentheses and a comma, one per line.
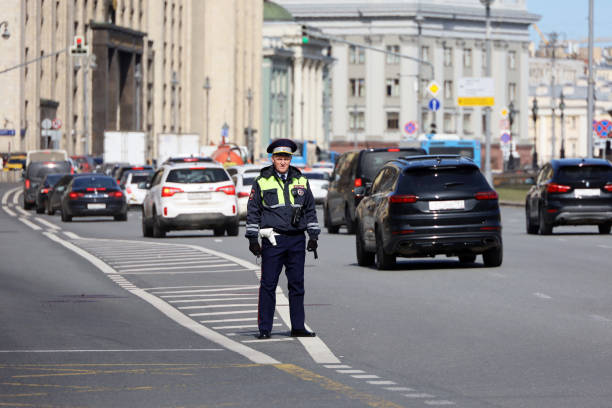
(126,147)
(177,145)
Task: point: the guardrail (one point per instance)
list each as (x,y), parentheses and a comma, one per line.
(10,176)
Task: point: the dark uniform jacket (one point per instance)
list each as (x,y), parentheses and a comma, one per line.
(271,204)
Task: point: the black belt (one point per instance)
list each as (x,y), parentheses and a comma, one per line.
(291,233)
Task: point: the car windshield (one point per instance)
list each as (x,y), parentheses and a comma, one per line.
(38,170)
(94,182)
(140,177)
(426,180)
(316,176)
(248,181)
(460,150)
(195,175)
(372,162)
(578,173)
(52,179)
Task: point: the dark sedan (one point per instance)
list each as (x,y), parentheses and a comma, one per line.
(44,190)
(93,195)
(570,192)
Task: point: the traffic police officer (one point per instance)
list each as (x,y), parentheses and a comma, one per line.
(281,199)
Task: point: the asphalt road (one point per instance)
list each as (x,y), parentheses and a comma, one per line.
(94,315)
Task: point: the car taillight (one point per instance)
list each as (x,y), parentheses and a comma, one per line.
(137,168)
(402,232)
(95,189)
(74,195)
(486,195)
(44,190)
(27,183)
(608,187)
(403,199)
(170,191)
(243,194)
(116,194)
(557,188)
(393,150)
(229,190)
(129,190)
(358,182)
(233,209)
(197,168)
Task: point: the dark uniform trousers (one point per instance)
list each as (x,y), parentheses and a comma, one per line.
(289,252)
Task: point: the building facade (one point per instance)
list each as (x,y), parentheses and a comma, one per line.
(148,64)
(375,94)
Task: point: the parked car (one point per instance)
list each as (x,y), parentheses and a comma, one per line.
(185,196)
(319,183)
(426,206)
(34,175)
(129,184)
(46,186)
(93,195)
(355,169)
(570,192)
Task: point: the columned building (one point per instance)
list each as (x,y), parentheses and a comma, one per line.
(375,94)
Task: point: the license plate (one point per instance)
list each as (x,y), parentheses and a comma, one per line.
(96,206)
(199,196)
(447,205)
(587,192)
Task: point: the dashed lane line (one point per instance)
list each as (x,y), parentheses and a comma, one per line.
(222,313)
(18,192)
(542,296)
(46,223)
(212,300)
(7,194)
(168,268)
(71,235)
(22,211)
(183,272)
(29,223)
(224,289)
(9,211)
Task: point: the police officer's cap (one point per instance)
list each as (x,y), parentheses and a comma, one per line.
(282,146)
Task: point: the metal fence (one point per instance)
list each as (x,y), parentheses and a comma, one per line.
(10,176)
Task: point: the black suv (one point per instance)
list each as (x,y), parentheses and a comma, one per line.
(425,206)
(570,192)
(352,170)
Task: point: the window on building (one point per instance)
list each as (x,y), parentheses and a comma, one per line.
(449,123)
(392,120)
(357,87)
(393,59)
(467,58)
(448,57)
(448,89)
(356,55)
(512,59)
(356,120)
(392,86)
(484,59)
(511,92)
(425,53)
(467,123)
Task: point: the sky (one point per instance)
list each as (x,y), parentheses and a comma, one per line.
(570,18)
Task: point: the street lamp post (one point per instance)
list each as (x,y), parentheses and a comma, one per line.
(511,114)
(553,42)
(561,109)
(488,173)
(138,79)
(207,88)
(174,82)
(249,98)
(534,113)
(419,19)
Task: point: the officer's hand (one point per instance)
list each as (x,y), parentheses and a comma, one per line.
(312,245)
(255,248)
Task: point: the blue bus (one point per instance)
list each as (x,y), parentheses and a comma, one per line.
(447,144)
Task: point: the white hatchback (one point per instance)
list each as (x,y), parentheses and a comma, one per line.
(186,196)
(319,184)
(129,183)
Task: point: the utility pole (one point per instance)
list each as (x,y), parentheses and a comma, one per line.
(488,172)
(138,79)
(419,19)
(88,62)
(250,125)
(174,82)
(561,110)
(207,88)
(553,43)
(590,86)
(534,112)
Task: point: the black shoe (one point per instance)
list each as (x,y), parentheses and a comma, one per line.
(263,335)
(302,333)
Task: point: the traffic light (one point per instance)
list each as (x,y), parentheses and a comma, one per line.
(305,38)
(79,47)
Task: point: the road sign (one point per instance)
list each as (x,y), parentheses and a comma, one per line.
(433,88)
(505,137)
(79,47)
(504,124)
(56,123)
(476,92)
(46,124)
(410,127)
(504,112)
(434,104)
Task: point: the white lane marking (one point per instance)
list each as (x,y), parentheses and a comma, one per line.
(406,389)
(184,272)
(159,261)
(47,223)
(195,286)
(92,259)
(167,265)
(223,313)
(419,395)
(365,376)
(267,340)
(16,196)
(601,318)
(251,319)
(210,300)
(205,297)
(542,295)
(6,195)
(71,235)
(222,289)
(336,366)
(562,239)
(243,326)
(217,306)
(218,240)
(29,224)
(119,253)
(605,246)
(382,382)
(174,268)
(439,402)
(22,211)
(350,371)
(111,351)
(9,211)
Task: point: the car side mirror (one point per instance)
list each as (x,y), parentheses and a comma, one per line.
(145,185)
(360,191)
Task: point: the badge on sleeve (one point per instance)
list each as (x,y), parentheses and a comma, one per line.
(252,194)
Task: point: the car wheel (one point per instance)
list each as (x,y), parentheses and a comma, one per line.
(544,226)
(147,228)
(158,230)
(219,231)
(26,206)
(331,229)
(233,228)
(467,258)
(121,217)
(39,209)
(364,258)
(529,225)
(66,217)
(384,261)
(50,210)
(493,257)
(350,224)
(604,228)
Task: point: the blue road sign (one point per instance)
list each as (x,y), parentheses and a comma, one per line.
(505,137)
(410,127)
(434,104)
